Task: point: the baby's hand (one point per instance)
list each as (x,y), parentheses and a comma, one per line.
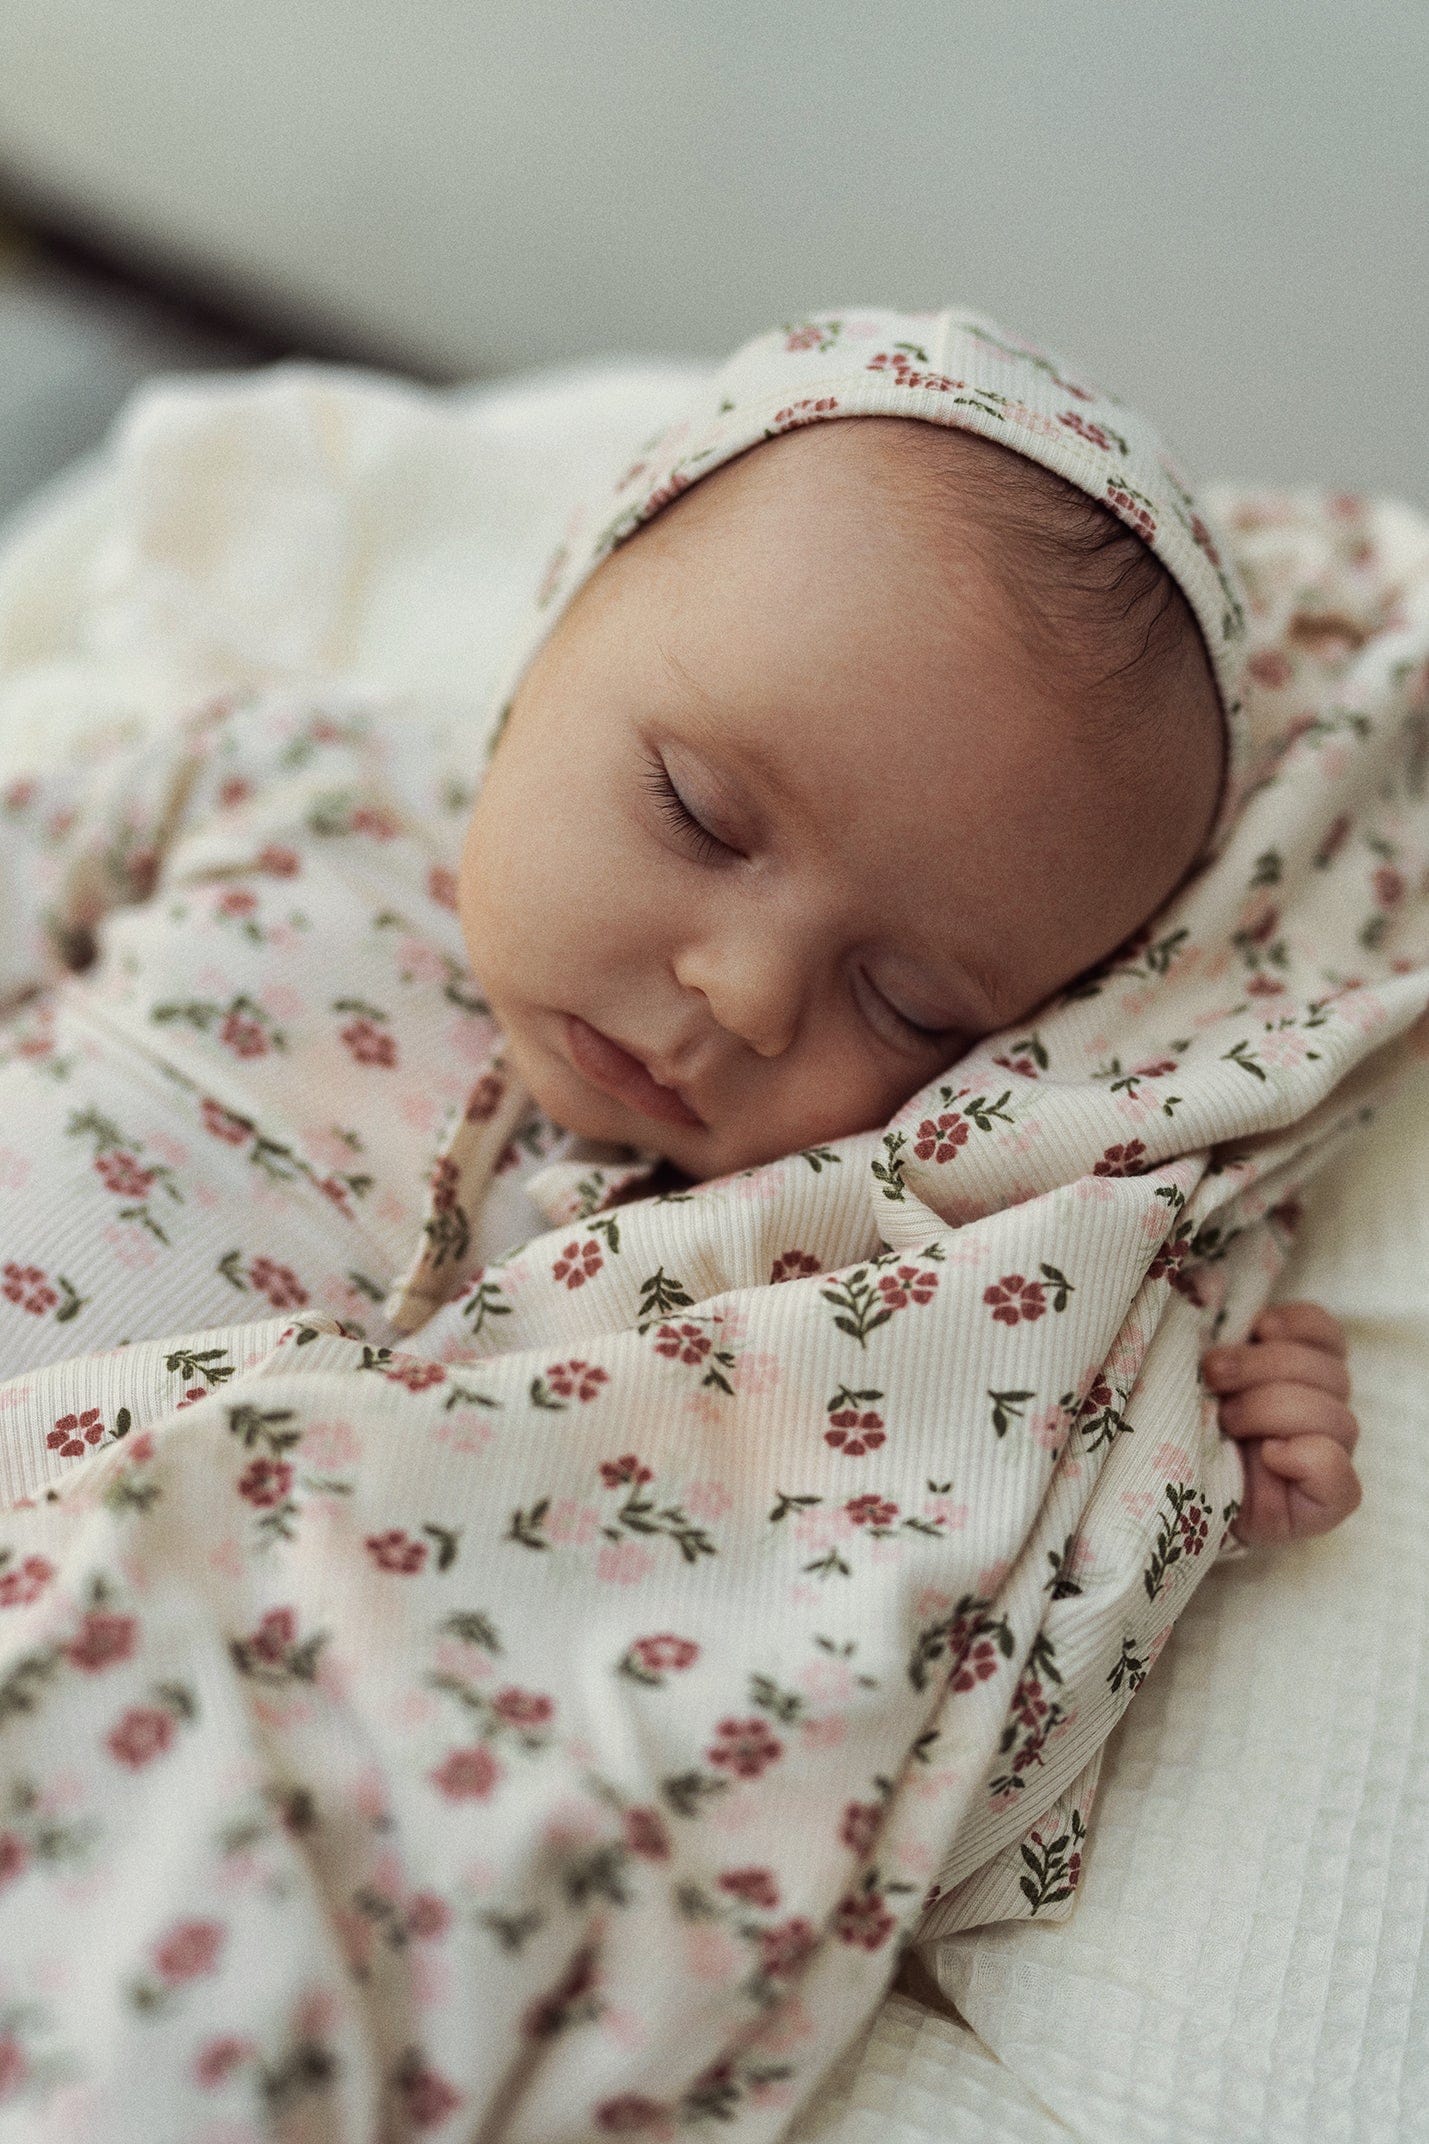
(1284,1392)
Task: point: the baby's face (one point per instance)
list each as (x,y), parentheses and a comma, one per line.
(898,847)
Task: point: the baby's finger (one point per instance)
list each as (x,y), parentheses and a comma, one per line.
(1276,1362)
(1320,1481)
(1298,1411)
(1309,1323)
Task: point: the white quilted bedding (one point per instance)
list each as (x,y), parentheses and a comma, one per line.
(1245,1959)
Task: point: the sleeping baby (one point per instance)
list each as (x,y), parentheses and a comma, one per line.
(854,752)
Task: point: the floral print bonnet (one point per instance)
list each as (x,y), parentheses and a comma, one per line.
(952,367)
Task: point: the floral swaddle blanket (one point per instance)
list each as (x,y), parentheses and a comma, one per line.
(552,1729)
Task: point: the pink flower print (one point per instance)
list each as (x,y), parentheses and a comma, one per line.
(683,1343)
(871,1510)
(29,1287)
(265,1482)
(909,1284)
(1286,1050)
(234,789)
(786,1950)
(217,2059)
(142,1734)
(578,1263)
(467,1775)
(1013,1299)
(980,1662)
(1128,1160)
(484,1100)
(614,1472)
(416,1375)
(576,1379)
(708,1500)
(279,1283)
(807,337)
(861,1824)
(394,1550)
(274,1636)
(14,1855)
(224,1125)
(568,1522)
(102,1641)
(74,1434)
(368,819)
(1388,886)
(236,901)
(1049,1428)
(25,1581)
(278,862)
(645,1834)
(863,1918)
(793,1265)
(664,1654)
(944,1512)
(14,2066)
(855,1431)
(744,1747)
(938,1139)
(623,1563)
(804,411)
(441,887)
(1172,1460)
(188,1951)
(1270,667)
(522,1708)
(123,1175)
(632,2114)
(1262,985)
(369,1044)
(243,1035)
(428,1916)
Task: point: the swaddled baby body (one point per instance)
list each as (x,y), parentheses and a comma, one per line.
(789,950)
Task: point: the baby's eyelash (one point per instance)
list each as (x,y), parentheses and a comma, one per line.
(672,804)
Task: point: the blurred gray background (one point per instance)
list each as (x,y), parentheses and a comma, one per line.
(1217,210)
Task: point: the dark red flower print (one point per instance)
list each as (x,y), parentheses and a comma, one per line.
(428,1916)
(426,2094)
(29,1286)
(578,1263)
(807,337)
(855,1431)
(224,1125)
(663,1653)
(938,1138)
(218,2059)
(787,1949)
(1169,1260)
(143,1733)
(102,1641)
(265,1482)
(1194,1528)
(981,1661)
(485,1098)
(794,1265)
(381,825)
(1013,1298)
(1336,834)
(871,1510)
(1262,985)
(369,1044)
(396,1551)
(861,1824)
(1156,1067)
(522,1708)
(1075,422)
(909,1284)
(243,1035)
(576,1379)
(75,1434)
(446,1182)
(614,1472)
(188,1951)
(1270,667)
(1388,886)
(863,1918)
(25,1581)
(234,789)
(14,1857)
(416,1375)
(1128,1160)
(467,1775)
(744,1747)
(142,871)
(646,1835)
(124,1175)
(442,887)
(683,1343)
(14,2066)
(755,1887)
(1025,1067)
(1098,1397)
(628,2115)
(1030,1705)
(279,1283)
(1131,511)
(237,901)
(273,1637)
(1202,535)
(279,862)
